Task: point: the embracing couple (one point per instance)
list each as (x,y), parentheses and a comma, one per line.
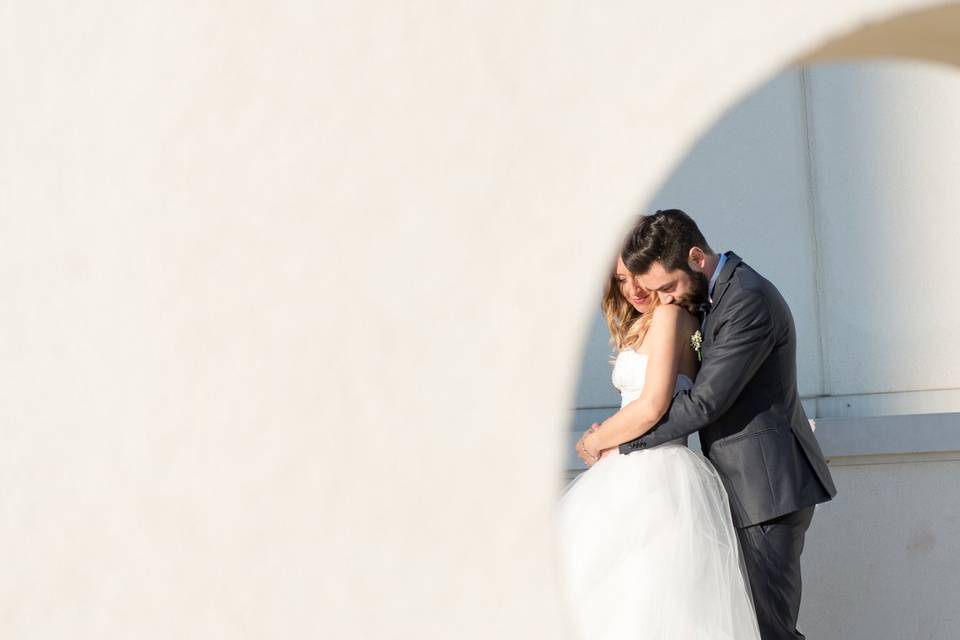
(658,541)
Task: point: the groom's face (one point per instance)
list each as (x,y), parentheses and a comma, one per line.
(679,286)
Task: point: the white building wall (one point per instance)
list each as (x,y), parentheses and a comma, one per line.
(888,160)
(882,560)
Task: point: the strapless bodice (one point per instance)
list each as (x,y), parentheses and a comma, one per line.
(630,374)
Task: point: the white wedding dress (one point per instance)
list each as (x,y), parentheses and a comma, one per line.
(648,548)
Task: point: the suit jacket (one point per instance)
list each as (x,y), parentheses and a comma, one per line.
(745,403)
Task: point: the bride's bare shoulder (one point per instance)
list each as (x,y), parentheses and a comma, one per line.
(674,314)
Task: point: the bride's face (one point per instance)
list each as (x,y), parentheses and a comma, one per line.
(630,289)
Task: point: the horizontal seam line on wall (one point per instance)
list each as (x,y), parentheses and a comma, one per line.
(814,397)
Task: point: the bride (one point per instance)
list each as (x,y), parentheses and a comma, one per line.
(648,548)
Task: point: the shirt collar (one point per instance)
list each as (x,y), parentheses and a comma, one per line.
(716,274)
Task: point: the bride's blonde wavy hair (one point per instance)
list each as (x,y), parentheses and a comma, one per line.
(627,325)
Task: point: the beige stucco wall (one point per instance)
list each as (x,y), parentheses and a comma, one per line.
(295,292)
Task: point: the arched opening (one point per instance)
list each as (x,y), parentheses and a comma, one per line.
(294,293)
(838,173)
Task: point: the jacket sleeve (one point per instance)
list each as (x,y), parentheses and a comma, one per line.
(743,342)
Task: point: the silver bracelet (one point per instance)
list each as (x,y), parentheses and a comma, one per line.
(584,447)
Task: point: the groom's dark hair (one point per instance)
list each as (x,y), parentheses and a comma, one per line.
(667,236)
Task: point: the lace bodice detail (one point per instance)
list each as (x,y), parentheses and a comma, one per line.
(630,373)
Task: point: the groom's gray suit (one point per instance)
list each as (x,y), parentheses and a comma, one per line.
(745,404)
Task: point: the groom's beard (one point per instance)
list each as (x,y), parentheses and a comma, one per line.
(698,293)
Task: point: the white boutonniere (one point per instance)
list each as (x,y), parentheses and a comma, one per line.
(696,340)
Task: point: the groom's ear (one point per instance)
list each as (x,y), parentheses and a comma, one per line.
(697,259)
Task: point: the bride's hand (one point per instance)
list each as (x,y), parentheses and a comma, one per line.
(586,455)
(587,449)
(582,453)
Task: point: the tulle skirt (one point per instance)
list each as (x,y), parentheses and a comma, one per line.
(649,551)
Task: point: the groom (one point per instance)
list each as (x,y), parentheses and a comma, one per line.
(744,402)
